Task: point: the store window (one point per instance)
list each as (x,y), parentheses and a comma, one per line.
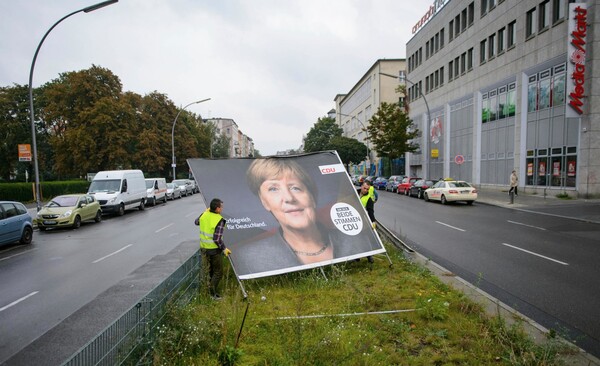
(546,89)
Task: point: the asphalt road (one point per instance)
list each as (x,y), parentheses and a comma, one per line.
(545,267)
(62,270)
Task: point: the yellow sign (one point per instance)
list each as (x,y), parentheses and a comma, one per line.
(435,153)
(24,152)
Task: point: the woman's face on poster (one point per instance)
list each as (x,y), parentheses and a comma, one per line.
(288,199)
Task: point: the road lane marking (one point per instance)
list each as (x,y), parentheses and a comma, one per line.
(190,214)
(450,226)
(536,254)
(111,254)
(522,224)
(16,255)
(162,228)
(18,301)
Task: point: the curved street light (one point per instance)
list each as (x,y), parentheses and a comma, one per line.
(173,165)
(402,78)
(38,196)
(366,132)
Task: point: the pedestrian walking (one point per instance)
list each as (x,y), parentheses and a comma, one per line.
(212,226)
(514,183)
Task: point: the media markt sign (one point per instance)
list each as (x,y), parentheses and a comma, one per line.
(576,54)
(24,152)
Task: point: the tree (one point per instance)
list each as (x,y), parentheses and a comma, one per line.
(320,135)
(350,150)
(220,146)
(392,132)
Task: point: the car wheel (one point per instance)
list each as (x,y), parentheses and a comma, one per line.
(419,194)
(443,200)
(121,211)
(142,205)
(77,222)
(406,192)
(470,203)
(98,217)
(425,197)
(153,203)
(165,199)
(27,235)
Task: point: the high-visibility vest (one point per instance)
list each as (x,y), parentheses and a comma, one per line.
(208,224)
(365,199)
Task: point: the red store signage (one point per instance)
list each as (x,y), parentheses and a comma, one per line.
(437,5)
(576,58)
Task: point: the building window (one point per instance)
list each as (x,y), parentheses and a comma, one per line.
(426,50)
(482,51)
(437,78)
(512,34)
(442,38)
(451,30)
(544,15)
(463,63)
(492,46)
(457,25)
(450,70)
(431,48)
(530,25)
(441,75)
(483,7)
(426,84)
(463,19)
(491,4)
(471,13)
(558,10)
(470,59)
(501,33)
(456,66)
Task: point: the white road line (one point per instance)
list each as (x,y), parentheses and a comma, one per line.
(450,226)
(522,224)
(536,254)
(162,228)
(111,254)
(18,301)
(16,255)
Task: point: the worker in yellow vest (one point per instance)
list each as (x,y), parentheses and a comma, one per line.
(367,199)
(212,226)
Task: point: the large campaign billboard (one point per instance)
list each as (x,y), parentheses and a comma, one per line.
(287,213)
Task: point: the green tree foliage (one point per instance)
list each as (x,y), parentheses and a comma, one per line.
(350,150)
(392,132)
(86,123)
(320,135)
(220,147)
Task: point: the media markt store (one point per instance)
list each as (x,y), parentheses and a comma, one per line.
(554,110)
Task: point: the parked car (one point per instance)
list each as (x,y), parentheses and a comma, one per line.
(392,183)
(119,190)
(173,191)
(185,185)
(404,186)
(69,211)
(156,190)
(417,189)
(16,224)
(380,183)
(451,191)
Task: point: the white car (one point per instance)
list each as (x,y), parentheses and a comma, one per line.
(173,191)
(451,191)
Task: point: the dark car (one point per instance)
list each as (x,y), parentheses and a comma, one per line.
(380,183)
(405,185)
(392,183)
(417,189)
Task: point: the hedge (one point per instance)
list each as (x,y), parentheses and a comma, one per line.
(23,192)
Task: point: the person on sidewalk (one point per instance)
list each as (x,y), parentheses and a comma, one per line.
(212,225)
(514,183)
(367,199)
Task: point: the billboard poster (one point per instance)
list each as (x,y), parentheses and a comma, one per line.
(287,213)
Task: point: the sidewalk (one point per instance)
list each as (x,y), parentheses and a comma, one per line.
(586,210)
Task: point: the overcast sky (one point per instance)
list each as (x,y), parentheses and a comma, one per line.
(274,66)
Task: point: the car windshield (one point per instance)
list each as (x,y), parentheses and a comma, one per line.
(459,184)
(108,185)
(149,184)
(179,182)
(170,185)
(63,201)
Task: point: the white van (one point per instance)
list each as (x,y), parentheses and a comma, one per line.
(156,190)
(119,190)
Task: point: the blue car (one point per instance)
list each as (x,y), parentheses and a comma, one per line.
(15,223)
(380,183)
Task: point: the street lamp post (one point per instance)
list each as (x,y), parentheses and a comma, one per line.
(173,164)
(38,195)
(366,132)
(402,78)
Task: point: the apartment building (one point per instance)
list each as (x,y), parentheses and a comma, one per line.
(497,85)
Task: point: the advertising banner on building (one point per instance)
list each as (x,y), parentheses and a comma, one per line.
(287,213)
(576,54)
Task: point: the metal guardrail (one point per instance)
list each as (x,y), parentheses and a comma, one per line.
(385,233)
(129,340)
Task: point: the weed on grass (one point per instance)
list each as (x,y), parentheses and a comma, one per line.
(349,314)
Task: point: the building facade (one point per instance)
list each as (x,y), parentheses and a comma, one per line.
(240,145)
(354,109)
(497,85)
